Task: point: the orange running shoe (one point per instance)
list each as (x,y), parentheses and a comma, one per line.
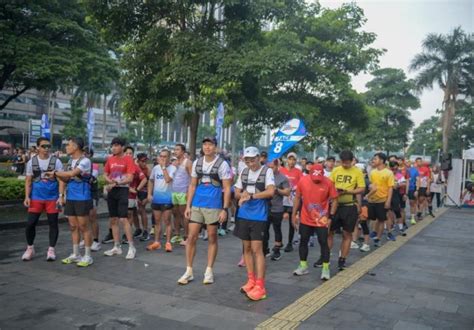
(168,247)
(257,293)
(154,246)
(248,286)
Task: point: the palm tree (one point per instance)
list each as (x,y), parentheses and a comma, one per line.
(446,60)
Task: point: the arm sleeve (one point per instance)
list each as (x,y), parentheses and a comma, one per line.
(269,178)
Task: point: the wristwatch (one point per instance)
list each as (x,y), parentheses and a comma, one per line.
(251,196)
(61,195)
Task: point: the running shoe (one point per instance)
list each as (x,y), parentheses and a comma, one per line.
(208,277)
(145,236)
(114,251)
(402,232)
(267,253)
(365,248)
(412,220)
(175,239)
(288,248)
(247,287)
(276,255)
(183,242)
(85,261)
(185,279)
(405,227)
(137,233)
(124,239)
(205,236)
(301,270)
(391,237)
(319,263)
(376,242)
(108,238)
(373,235)
(132,251)
(81,244)
(95,246)
(152,231)
(354,245)
(431,214)
(51,254)
(29,253)
(154,246)
(241,262)
(257,293)
(341,263)
(72,259)
(168,247)
(325,274)
(221,232)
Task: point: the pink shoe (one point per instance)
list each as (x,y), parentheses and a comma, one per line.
(241,262)
(51,255)
(182,243)
(29,253)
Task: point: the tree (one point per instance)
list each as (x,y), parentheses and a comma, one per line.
(391,96)
(446,60)
(427,137)
(46,45)
(75,126)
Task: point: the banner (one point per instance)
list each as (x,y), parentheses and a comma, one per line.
(90,126)
(45,132)
(290,134)
(219,122)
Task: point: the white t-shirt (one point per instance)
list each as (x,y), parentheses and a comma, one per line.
(252,178)
(223,170)
(43,164)
(161,189)
(241,166)
(84,165)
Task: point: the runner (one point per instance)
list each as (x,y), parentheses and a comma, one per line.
(349,182)
(118,173)
(294,175)
(424,183)
(314,193)
(78,176)
(282,188)
(254,187)
(413,191)
(42,194)
(363,217)
(206,204)
(329,166)
(142,196)
(181,182)
(397,196)
(382,182)
(160,195)
(436,188)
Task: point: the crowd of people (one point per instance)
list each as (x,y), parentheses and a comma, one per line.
(365,203)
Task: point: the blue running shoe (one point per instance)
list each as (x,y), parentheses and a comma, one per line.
(391,237)
(373,235)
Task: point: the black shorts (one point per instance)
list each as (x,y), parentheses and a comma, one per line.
(142,195)
(95,203)
(411,195)
(423,192)
(287,209)
(161,207)
(78,208)
(248,230)
(346,217)
(403,203)
(377,211)
(117,202)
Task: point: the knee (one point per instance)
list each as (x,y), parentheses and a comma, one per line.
(247,249)
(73,227)
(212,238)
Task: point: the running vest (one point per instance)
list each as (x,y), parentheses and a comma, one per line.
(254,209)
(44,189)
(208,192)
(182,178)
(79,186)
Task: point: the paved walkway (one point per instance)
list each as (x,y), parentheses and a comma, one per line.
(120,294)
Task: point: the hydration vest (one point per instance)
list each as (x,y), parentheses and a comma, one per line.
(213,175)
(37,171)
(79,177)
(259,184)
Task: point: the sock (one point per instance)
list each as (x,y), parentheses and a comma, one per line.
(130,243)
(116,244)
(400,226)
(304,263)
(189,270)
(75,249)
(251,276)
(260,282)
(88,251)
(326,265)
(208,270)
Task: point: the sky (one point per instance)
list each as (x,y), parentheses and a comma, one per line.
(401,26)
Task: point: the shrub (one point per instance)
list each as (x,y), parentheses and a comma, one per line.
(8,174)
(12,189)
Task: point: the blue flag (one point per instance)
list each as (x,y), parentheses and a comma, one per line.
(45,131)
(219,121)
(290,134)
(90,126)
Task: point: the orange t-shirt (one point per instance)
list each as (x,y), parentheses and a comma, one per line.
(316,197)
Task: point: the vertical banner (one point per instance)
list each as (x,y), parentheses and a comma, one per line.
(90,126)
(290,134)
(220,122)
(45,132)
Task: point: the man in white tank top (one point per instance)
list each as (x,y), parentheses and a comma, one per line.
(181,182)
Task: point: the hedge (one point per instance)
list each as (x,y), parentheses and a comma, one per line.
(8,174)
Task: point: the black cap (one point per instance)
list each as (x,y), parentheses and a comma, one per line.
(79,141)
(142,156)
(118,140)
(264,154)
(211,139)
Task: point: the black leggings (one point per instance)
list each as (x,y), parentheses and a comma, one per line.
(31,228)
(291,231)
(365,227)
(438,198)
(306,232)
(275,220)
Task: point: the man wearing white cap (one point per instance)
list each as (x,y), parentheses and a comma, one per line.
(254,188)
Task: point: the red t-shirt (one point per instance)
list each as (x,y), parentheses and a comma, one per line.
(146,172)
(294,175)
(118,167)
(425,175)
(316,197)
(138,176)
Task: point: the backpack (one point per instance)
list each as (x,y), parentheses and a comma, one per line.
(79,177)
(37,170)
(213,174)
(259,184)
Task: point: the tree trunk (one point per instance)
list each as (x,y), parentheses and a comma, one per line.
(194,130)
(104,122)
(448,115)
(51,117)
(234,136)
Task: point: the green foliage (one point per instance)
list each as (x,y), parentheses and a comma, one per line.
(8,174)
(47,45)
(12,189)
(75,126)
(426,136)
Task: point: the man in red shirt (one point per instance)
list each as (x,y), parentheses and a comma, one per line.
(423,185)
(142,195)
(294,175)
(315,191)
(118,173)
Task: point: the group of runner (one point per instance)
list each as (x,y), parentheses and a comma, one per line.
(317,198)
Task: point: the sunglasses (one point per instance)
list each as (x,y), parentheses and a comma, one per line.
(45,146)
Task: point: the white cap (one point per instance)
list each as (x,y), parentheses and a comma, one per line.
(251,152)
(321,159)
(292,154)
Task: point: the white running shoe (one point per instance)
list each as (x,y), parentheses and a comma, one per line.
(113,251)
(95,246)
(208,278)
(51,255)
(86,261)
(131,253)
(365,248)
(29,253)
(325,274)
(72,259)
(301,271)
(354,245)
(185,279)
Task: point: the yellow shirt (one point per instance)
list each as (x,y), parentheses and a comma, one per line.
(383,180)
(347,179)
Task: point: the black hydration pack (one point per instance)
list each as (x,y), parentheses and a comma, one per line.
(79,177)
(259,184)
(37,171)
(213,175)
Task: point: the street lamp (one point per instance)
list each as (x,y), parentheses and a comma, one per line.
(424,149)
